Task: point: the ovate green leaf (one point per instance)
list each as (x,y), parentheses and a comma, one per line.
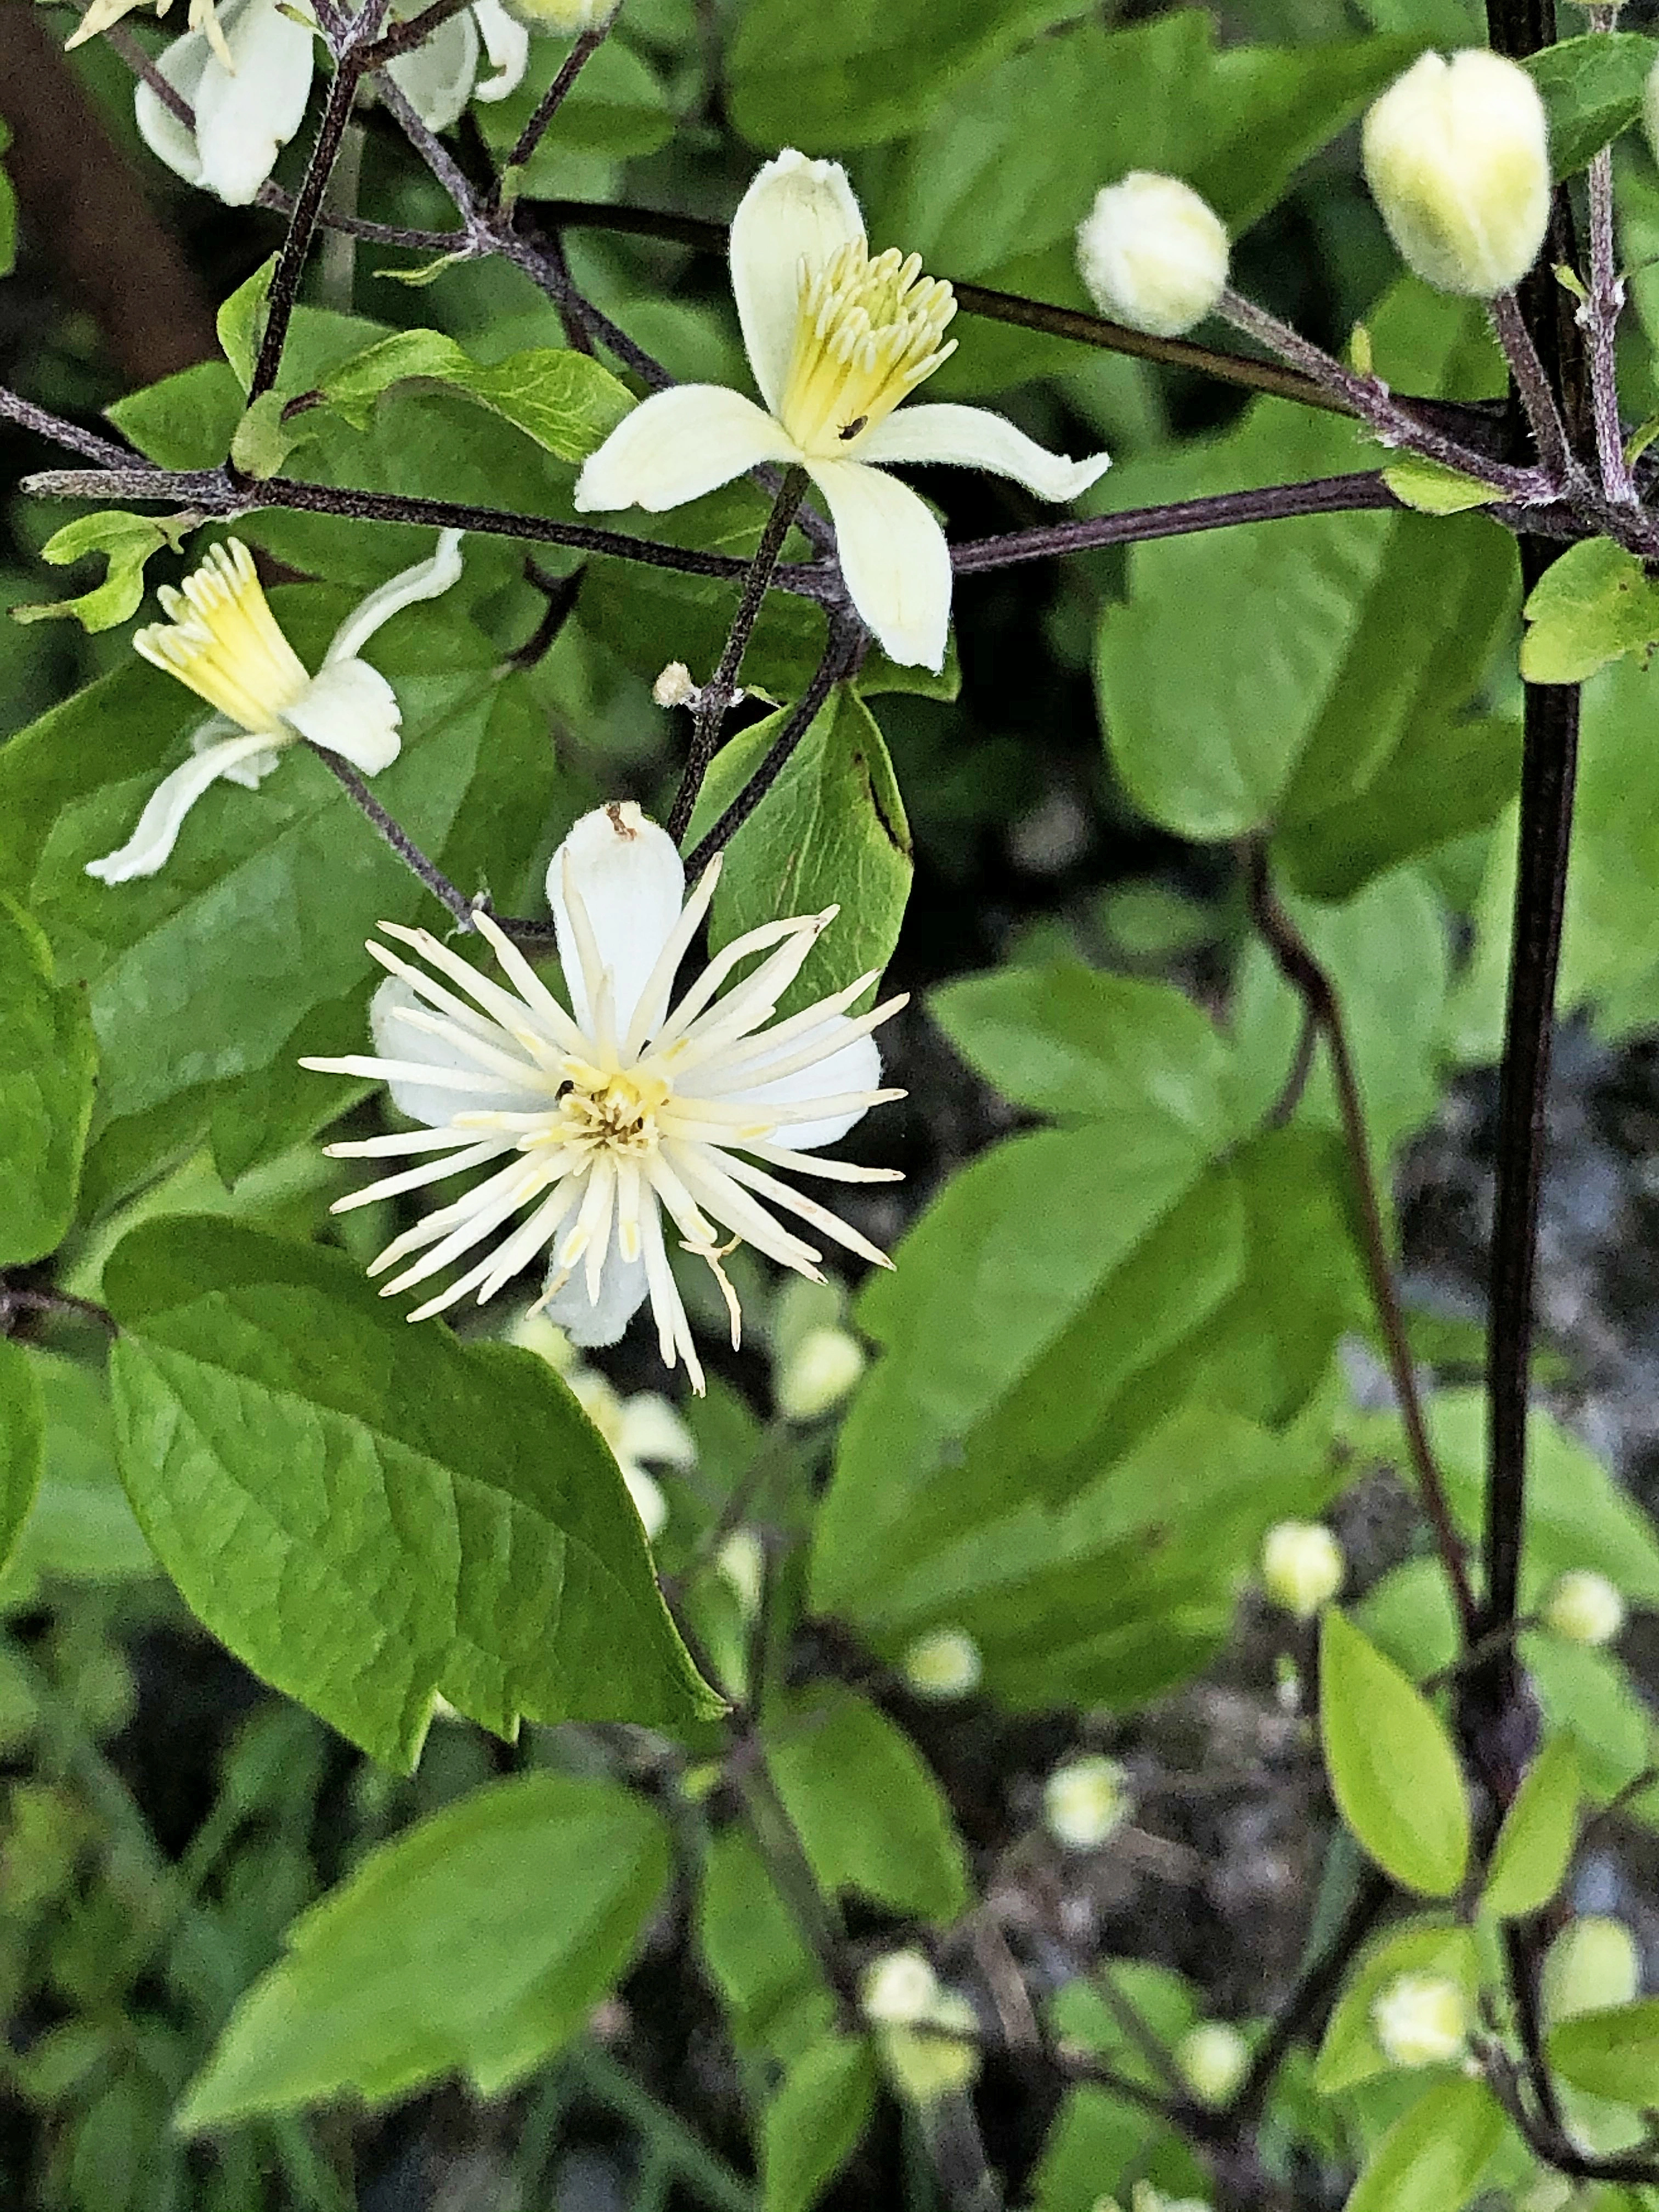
(562,400)
(46,1062)
(815,2122)
(242,321)
(1534,1845)
(1613,2053)
(1433,488)
(23,1442)
(1592,90)
(1392,1768)
(1432,2158)
(1593,606)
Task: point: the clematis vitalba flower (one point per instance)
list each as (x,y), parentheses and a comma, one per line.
(837,337)
(221,639)
(599,1121)
(247,78)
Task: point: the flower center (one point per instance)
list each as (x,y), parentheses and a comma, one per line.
(221,639)
(614,1112)
(866,333)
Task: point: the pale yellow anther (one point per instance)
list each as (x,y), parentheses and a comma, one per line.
(221,639)
(868,333)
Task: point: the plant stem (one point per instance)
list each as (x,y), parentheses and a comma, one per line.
(554,97)
(1599,317)
(15,1298)
(1532,381)
(841,656)
(395,836)
(715,698)
(302,224)
(70,435)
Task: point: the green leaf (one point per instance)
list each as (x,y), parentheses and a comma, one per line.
(815,2122)
(831,831)
(564,400)
(266,435)
(868,1812)
(1595,605)
(1433,488)
(850,72)
(1100,2144)
(1534,1845)
(242,321)
(46,1062)
(369,1514)
(8,212)
(1350,2052)
(81,1527)
(617,109)
(1592,90)
(23,1442)
(477,1942)
(1392,1768)
(1590,1693)
(128,541)
(1432,2158)
(774,1992)
(1613,2053)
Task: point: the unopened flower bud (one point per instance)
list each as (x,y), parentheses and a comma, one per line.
(1592,1965)
(565,18)
(1457,157)
(936,2057)
(1421,2019)
(1212,2058)
(944,1664)
(674,687)
(818,1373)
(742,1560)
(1583,1608)
(1302,1566)
(1083,1801)
(1152,254)
(898,1989)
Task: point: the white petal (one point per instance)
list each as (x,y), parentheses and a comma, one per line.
(855,1066)
(652,1430)
(677,445)
(632,881)
(251,773)
(601,1320)
(436,78)
(243,121)
(427,579)
(182,64)
(795,211)
(975,438)
(507,44)
(435,1104)
(894,560)
(157,830)
(350,708)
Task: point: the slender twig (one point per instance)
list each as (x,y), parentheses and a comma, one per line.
(552,100)
(280,202)
(561,593)
(1296,961)
(404,38)
(1598,317)
(841,656)
(779,1841)
(715,698)
(142,65)
(70,435)
(1532,381)
(396,837)
(15,1298)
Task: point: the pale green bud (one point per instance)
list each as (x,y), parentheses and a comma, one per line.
(1152,254)
(898,1989)
(1583,1608)
(567,19)
(1421,2019)
(1211,2058)
(944,1664)
(1457,157)
(936,2057)
(1302,1566)
(1591,1965)
(818,1373)
(742,1560)
(1083,1801)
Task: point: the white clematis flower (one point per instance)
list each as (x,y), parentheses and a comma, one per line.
(247,78)
(836,340)
(597,1121)
(221,639)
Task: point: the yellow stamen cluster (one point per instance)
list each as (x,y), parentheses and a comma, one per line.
(615,1114)
(866,333)
(221,639)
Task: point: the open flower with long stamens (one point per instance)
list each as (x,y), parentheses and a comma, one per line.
(837,337)
(221,639)
(597,1121)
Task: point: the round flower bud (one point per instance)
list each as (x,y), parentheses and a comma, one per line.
(1583,1608)
(565,18)
(939,2056)
(674,687)
(898,1989)
(1457,157)
(1083,1801)
(1152,254)
(742,1560)
(1421,2019)
(1592,1964)
(1302,1566)
(1212,2058)
(944,1664)
(817,1374)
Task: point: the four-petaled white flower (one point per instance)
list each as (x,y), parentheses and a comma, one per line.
(221,639)
(601,1119)
(247,78)
(835,339)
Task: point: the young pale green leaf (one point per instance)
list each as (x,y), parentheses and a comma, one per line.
(47,1058)
(1595,605)
(1613,2054)
(23,1442)
(369,1514)
(869,1813)
(1392,1768)
(242,321)
(1433,488)
(1534,1845)
(1100,2144)
(1432,2158)
(1592,90)
(831,831)
(477,1942)
(81,1527)
(1349,2051)
(127,541)
(815,2122)
(564,400)
(775,1995)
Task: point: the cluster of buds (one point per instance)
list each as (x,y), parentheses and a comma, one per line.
(927,2036)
